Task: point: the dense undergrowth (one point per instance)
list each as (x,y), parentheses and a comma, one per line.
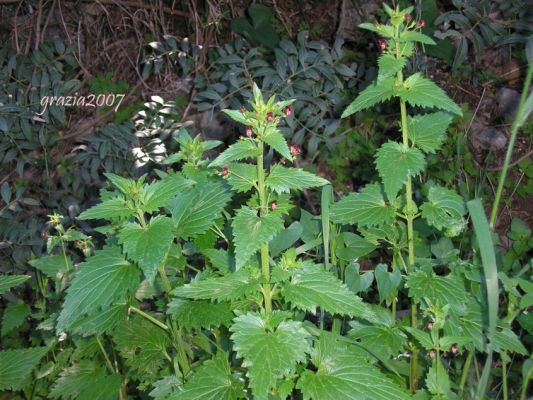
(247,271)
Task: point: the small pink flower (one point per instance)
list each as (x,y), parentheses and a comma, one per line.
(225,171)
(270,116)
(288,111)
(421,23)
(408,17)
(249,131)
(274,205)
(295,150)
(382,43)
(453,349)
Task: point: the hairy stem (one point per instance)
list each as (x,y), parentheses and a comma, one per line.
(410,216)
(265,267)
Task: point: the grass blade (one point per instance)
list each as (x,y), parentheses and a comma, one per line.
(488,259)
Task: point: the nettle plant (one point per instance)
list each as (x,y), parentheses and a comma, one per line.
(447,297)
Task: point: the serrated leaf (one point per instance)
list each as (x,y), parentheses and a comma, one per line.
(17,365)
(52,266)
(116,207)
(421,92)
(238,116)
(233,286)
(444,209)
(9,281)
(213,380)
(439,290)
(147,245)
(275,139)
(389,65)
(125,185)
(422,337)
(142,345)
(242,177)
(86,380)
(159,194)
(282,179)
(395,163)
(103,279)
(506,340)
(194,211)
(427,131)
(101,321)
(375,93)
(311,287)
(250,231)
(240,150)
(385,340)
(271,351)
(197,314)
(437,379)
(14,316)
(413,36)
(342,374)
(366,208)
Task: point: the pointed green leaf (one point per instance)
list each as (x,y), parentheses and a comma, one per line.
(86,380)
(213,380)
(142,345)
(373,94)
(125,185)
(444,210)
(282,179)
(242,177)
(52,266)
(422,337)
(9,281)
(366,208)
(240,150)
(159,194)
(17,365)
(275,139)
(250,231)
(385,340)
(437,379)
(271,351)
(395,163)
(388,282)
(421,92)
(384,30)
(233,286)
(413,36)
(311,287)
(238,116)
(101,322)
(427,131)
(116,207)
(147,245)
(506,340)
(389,65)
(354,247)
(342,374)
(195,211)
(14,316)
(197,314)
(439,290)
(100,281)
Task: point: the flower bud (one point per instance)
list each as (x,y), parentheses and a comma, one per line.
(270,116)
(288,111)
(274,205)
(225,171)
(408,17)
(453,349)
(432,353)
(249,131)
(421,23)
(382,43)
(430,325)
(243,110)
(295,150)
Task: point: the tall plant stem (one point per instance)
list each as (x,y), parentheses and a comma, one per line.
(410,215)
(517,123)
(466,370)
(265,267)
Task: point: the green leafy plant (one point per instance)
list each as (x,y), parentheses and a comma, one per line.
(260,31)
